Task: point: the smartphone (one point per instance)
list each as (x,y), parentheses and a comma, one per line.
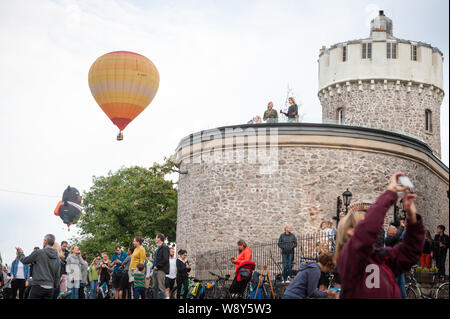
(405,181)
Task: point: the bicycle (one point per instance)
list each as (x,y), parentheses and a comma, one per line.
(414,288)
(219,289)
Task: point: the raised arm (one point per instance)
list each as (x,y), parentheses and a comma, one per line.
(366,232)
(407,253)
(29,259)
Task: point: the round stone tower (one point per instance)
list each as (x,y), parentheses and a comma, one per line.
(383,82)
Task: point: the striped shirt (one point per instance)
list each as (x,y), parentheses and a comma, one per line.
(139,279)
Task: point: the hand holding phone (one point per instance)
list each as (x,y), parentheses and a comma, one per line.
(394,185)
(405,181)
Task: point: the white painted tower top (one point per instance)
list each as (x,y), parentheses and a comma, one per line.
(381,57)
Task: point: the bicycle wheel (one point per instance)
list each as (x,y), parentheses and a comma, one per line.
(442,291)
(246,293)
(212,293)
(411,292)
(224,293)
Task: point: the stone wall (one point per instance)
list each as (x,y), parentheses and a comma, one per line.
(394,106)
(220,203)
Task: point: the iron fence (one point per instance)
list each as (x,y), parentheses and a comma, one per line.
(263,254)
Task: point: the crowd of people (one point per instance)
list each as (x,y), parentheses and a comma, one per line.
(360,250)
(353,247)
(59,272)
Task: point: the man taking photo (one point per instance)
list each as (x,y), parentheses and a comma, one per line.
(46,269)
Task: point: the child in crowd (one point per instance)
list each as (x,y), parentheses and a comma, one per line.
(139,282)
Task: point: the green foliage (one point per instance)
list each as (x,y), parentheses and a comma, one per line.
(134,201)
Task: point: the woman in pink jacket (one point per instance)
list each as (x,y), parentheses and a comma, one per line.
(367,272)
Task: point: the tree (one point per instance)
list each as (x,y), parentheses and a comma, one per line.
(134,201)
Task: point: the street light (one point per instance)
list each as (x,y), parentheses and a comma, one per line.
(338,210)
(347,196)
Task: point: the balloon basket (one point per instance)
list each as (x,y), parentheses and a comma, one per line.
(120,136)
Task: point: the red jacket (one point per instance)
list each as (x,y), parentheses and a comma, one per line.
(358,261)
(245,255)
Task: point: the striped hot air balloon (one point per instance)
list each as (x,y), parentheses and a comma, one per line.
(123,83)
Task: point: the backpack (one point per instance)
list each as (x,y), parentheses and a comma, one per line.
(245,273)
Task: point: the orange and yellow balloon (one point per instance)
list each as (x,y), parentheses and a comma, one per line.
(123,83)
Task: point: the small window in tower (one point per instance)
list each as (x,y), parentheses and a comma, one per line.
(391,50)
(344,53)
(428,122)
(414,52)
(367,50)
(394,50)
(340,115)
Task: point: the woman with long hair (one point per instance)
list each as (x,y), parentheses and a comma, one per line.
(245,253)
(292,112)
(73,268)
(93,278)
(62,283)
(367,272)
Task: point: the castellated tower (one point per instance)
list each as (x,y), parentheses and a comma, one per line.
(384,82)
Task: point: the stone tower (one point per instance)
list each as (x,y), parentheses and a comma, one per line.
(381,97)
(384,82)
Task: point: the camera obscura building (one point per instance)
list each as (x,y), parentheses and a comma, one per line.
(380,99)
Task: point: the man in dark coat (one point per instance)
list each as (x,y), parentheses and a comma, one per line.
(440,246)
(287,242)
(161,267)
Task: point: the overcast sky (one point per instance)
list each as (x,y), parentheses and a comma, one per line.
(219,64)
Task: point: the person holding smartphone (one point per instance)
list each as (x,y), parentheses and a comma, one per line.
(183,268)
(292,112)
(367,272)
(117,273)
(307,279)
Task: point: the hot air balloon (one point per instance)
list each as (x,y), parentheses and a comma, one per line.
(69,208)
(123,83)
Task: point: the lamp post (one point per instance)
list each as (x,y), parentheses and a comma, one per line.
(347,196)
(338,210)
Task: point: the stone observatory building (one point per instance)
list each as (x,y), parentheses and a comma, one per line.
(380,101)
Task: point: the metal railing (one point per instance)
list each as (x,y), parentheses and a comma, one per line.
(263,254)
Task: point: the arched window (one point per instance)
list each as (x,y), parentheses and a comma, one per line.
(340,115)
(428,121)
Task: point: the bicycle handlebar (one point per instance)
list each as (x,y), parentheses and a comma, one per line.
(219,277)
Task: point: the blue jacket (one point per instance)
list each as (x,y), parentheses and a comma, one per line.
(306,282)
(26,269)
(122,257)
